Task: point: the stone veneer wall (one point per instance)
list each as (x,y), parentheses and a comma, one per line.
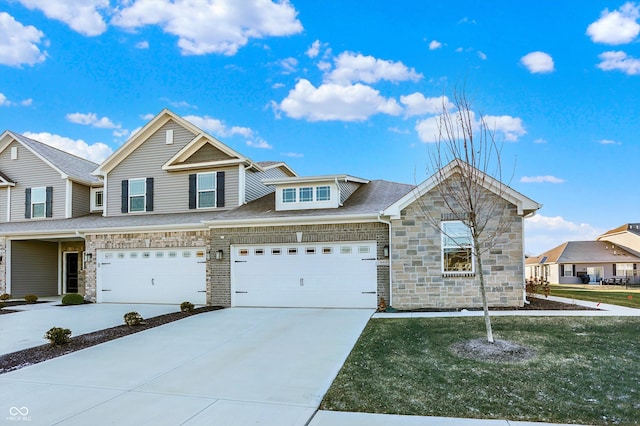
(418,281)
(138,241)
(222,239)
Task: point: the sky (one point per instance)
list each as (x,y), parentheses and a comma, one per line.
(333,87)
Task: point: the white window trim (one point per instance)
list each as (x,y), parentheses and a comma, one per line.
(215,190)
(443,237)
(94,195)
(144,196)
(313,203)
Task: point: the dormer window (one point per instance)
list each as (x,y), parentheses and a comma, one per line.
(289,195)
(323,193)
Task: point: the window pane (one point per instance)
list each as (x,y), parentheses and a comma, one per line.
(38,195)
(306,194)
(137,187)
(457,260)
(289,195)
(207,199)
(206,181)
(136,204)
(38,210)
(98,198)
(323,193)
(456,234)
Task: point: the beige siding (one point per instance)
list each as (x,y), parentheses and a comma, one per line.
(34,268)
(171,189)
(207,153)
(29,171)
(81,197)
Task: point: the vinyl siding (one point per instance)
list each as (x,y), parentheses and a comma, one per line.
(346,189)
(3,204)
(34,268)
(208,152)
(254,187)
(171,189)
(81,197)
(29,171)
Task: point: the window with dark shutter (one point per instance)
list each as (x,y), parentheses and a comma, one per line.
(192,191)
(125,196)
(49,202)
(27,203)
(149,204)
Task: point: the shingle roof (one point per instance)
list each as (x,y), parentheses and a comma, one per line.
(75,167)
(588,252)
(633,228)
(368,199)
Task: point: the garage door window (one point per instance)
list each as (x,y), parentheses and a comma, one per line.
(345,250)
(292,251)
(276,252)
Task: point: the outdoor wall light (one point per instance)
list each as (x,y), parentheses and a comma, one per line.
(385,250)
(219,254)
(87,257)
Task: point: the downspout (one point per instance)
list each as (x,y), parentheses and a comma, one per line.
(524,267)
(388,223)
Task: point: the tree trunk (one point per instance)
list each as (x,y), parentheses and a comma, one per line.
(485,305)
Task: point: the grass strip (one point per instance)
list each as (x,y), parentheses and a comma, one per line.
(586,371)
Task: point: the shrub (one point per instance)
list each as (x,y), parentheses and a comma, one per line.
(2,305)
(58,336)
(73,299)
(133,318)
(5,296)
(187,307)
(31,298)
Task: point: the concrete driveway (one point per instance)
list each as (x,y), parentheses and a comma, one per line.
(235,366)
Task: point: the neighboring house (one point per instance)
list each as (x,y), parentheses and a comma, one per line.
(176,215)
(613,257)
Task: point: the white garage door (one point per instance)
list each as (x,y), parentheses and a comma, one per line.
(339,275)
(171,276)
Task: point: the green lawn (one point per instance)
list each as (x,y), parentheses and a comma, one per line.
(587,370)
(614,295)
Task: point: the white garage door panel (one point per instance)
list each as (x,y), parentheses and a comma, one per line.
(318,275)
(152,276)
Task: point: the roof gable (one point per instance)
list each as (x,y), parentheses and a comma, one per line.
(204,151)
(68,165)
(524,204)
(5,180)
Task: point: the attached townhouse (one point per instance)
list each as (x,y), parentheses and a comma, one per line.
(613,258)
(176,215)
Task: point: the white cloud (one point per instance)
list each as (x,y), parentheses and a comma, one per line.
(541,179)
(609,142)
(289,65)
(19,43)
(91,119)
(617,60)
(96,152)
(617,27)
(26,102)
(351,68)
(335,102)
(277,85)
(218,128)
(142,45)
(259,143)
(543,233)
(434,44)
(314,49)
(179,104)
(3,100)
(399,131)
(292,154)
(211,26)
(510,127)
(82,16)
(539,140)
(482,55)
(147,117)
(538,62)
(417,104)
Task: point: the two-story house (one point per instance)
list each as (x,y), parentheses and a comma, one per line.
(176,215)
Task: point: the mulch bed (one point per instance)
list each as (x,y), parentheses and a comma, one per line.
(30,356)
(536,304)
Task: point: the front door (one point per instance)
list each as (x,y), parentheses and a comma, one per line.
(71,272)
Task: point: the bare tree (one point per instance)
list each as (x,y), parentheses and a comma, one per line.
(466,162)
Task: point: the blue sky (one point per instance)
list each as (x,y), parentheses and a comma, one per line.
(348,87)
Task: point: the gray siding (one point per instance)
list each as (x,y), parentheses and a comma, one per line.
(255,188)
(80,202)
(346,189)
(3,204)
(208,152)
(34,268)
(171,189)
(29,171)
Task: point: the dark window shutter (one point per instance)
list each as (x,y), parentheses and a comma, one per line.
(48,205)
(573,270)
(614,270)
(192,191)
(220,189)
(149,206)
(125,196)
(27,203)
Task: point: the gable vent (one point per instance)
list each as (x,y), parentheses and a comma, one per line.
(14,152)
(169,140)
